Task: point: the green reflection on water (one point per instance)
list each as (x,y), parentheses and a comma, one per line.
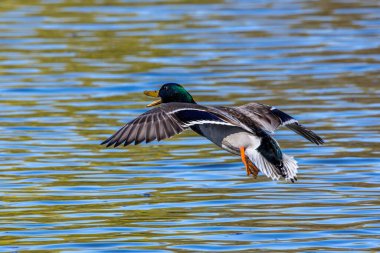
(73,72)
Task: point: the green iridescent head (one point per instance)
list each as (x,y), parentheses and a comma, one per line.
(170,92)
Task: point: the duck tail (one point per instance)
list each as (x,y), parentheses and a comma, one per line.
(290,167)
(288,170)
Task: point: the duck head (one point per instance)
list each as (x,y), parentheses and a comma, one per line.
(170,92)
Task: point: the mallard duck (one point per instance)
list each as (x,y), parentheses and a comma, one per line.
(241,130)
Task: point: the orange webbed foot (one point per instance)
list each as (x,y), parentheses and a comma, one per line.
(250,168)
(254,171)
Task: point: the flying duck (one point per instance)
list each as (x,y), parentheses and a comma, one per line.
(241,130)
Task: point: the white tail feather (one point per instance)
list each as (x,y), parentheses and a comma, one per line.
(290,166)
(268,169)
(263,165)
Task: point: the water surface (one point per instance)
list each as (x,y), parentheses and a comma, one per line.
(72,72)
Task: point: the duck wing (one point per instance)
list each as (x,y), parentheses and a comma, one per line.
(269,118)
(168,120)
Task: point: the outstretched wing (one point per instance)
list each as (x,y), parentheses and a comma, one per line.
(271,118)
(292,124)
(166,121)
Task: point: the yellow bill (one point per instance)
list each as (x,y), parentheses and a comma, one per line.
(153,94)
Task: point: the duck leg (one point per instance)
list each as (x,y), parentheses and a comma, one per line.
(250,168)
(254,171)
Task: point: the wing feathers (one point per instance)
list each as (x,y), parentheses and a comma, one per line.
(166,127)
(140,134)
(156,127)
(164,122)
(173,118)
(292,124)
(285,118)
(307,133)
(270,118)
(150,131)
(123,135)
(195,117)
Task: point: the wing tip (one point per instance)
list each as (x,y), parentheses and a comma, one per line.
(109,143)
(306,133)
(106,142)
(317,140)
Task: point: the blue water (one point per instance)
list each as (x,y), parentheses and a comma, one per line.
(73,72)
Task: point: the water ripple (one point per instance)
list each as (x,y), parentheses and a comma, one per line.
(73,72)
